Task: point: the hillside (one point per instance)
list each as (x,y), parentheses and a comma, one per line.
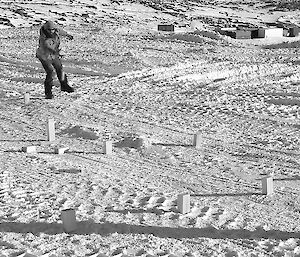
(150,92)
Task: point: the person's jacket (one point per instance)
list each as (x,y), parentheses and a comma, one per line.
(49,45)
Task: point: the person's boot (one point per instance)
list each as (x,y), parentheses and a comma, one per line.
(65,87)
(49,96)
(48,92)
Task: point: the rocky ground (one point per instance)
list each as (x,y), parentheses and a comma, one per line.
(149,92)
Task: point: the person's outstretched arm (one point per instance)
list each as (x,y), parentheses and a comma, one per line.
(64,33)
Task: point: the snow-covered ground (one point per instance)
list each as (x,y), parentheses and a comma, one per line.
(149,92)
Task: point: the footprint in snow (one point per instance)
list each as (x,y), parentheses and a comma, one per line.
(169,205)
(216,215)
(156,200)
(141,201)
(204,211)
(236,223)
(126,198)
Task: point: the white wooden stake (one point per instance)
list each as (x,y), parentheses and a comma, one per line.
(61,150)
(27,98)
(198,142)
(68,218)
(29,149)
(267,185)
(183,203)
(107,147)
(51,130)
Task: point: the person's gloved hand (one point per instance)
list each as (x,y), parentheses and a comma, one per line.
(70,37)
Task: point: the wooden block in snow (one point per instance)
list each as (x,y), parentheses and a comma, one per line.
(27,255)
(51,130)
(27,98)
(107,147)
(61,150)
(267,185)
(198,142)
(29,149)
(68,218)
(183,203)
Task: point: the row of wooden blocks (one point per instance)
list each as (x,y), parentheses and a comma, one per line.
(107,145)
(68,216)
(107,149)
(183,205)
(33,149)
(50,129)
(183,200)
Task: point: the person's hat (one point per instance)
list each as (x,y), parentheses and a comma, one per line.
(50,25)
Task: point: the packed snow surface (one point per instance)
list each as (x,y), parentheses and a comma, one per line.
(149,93)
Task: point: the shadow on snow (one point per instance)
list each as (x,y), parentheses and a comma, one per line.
(88,227)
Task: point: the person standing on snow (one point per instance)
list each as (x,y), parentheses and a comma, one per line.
(48,54)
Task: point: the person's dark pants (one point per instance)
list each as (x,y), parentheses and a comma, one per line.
(49,67)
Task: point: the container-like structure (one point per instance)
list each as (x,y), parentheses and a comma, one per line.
(242,34)
(293,32)
(270,32)
(166,27)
